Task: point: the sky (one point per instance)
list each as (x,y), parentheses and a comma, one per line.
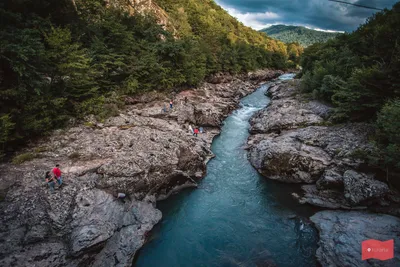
(315,14)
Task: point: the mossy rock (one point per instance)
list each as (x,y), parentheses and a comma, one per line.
(21,158)
(126,127)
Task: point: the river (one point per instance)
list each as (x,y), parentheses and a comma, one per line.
(236,217)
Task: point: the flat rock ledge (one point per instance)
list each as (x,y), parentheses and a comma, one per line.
(146,152)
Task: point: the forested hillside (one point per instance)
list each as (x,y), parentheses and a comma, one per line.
(359,74)
(299,34)
(62,59)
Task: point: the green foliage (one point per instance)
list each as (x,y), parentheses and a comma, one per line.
(358,74)
(305,37)
(59,61)
(19,159)
(74,156)
(389,132)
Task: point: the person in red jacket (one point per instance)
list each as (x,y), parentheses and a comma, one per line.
(57,174)
(196,131)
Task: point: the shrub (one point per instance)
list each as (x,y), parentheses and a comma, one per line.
(74,156)
(19,159)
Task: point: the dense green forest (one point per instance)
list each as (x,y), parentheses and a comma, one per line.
(61,59)
(359,73)
(305,37)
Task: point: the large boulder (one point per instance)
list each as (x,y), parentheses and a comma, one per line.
(285,159)
(288,110)
(330,199)
(330,179)
(342,232)
(43,229)
(282,115)
(359,187)
(303,155)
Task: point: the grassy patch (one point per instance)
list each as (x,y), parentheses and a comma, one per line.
(21,158)
(126,127)
(90,124)
(40,149)
(74,156)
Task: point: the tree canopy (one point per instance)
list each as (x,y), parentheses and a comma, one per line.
(61,59)
(359,74)
(302,35)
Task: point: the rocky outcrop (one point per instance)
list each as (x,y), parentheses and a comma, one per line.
(288,111)
(140,6)
(289,144)
(303,155)
(146,152)
(341,235)
(359,188)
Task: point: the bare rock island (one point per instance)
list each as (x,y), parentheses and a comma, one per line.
(146,152)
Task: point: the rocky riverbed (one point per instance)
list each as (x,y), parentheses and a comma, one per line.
(293,141)
(145,152)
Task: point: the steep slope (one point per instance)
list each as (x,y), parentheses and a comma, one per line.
(302,35)
(69,59)
(206,19)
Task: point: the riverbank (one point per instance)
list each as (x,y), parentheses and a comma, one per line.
(293,142)
(235,217)
(144,152)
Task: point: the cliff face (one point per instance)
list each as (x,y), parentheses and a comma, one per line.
(142,7)
(144,152)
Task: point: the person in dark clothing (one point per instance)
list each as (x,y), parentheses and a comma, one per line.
(51,181)
(171,104)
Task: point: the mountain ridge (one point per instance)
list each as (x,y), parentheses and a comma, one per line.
(304,36)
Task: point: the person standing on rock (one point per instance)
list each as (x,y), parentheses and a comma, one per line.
(196,131)
(50,180)
(171,104)
(57,174)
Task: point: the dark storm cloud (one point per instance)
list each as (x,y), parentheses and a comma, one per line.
(321,14)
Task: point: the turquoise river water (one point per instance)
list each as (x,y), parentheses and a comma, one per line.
(235,217)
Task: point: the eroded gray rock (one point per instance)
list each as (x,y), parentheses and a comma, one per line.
(359,187)
(143,152)
(285,146)
(331,179)
(283,114)
(341,235)
(325,198)
(285,159)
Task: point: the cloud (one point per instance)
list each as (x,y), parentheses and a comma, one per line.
(253,20)
(321,14)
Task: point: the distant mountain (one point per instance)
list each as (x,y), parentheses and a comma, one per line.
(302,35)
